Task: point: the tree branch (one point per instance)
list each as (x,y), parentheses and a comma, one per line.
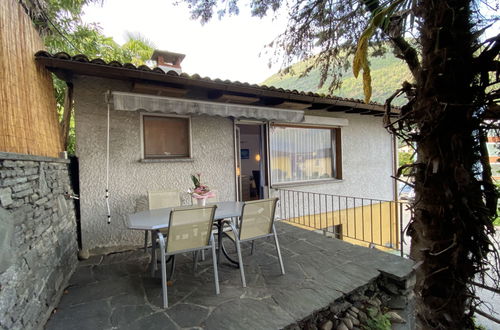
(408,54)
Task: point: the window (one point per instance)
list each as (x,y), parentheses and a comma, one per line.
(166,137)
(304,153)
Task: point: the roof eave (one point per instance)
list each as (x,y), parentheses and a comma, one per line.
(105,71)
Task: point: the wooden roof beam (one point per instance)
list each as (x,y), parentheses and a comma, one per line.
(160,90)
(232,98)
(293,105)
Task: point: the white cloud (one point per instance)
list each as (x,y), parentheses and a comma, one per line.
(225,49)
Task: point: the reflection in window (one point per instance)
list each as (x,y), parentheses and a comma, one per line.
(302,154)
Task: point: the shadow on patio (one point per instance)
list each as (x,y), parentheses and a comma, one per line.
(117,292)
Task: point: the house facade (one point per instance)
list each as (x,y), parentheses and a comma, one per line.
(247,141)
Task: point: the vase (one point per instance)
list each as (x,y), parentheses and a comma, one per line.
(201,201)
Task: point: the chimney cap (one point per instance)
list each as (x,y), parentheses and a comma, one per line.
(169,57)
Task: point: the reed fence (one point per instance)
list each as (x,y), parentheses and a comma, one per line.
(28,117)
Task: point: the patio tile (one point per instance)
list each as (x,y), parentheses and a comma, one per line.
(301,301)
(154,321)
(129,299)
(97,291)
(248,314)
(124,315)
(118,292)
(188,315)
(82,276)
(90,315)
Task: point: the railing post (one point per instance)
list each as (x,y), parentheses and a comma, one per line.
(401,230)
(293,208)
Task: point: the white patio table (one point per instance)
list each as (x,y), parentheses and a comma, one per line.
(156,219)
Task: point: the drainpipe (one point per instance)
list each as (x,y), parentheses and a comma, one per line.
(237,177)
(267,151)
(395,165)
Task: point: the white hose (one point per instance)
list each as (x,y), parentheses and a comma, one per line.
(107,161)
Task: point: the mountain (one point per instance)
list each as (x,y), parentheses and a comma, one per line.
(388,72)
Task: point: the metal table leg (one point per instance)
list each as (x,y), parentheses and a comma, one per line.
(220,245)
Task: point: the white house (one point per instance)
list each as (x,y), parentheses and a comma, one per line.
(246,140)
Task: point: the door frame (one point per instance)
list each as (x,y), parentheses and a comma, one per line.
(264,146)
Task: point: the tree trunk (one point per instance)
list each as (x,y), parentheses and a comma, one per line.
(447,230)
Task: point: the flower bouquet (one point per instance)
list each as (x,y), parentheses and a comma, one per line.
(200,192)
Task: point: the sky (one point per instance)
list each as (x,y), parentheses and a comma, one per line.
(225,49)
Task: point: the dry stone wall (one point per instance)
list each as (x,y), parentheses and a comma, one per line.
(38,244)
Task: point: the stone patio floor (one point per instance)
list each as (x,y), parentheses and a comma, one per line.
(117,291)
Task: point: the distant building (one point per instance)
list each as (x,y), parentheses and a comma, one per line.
(494,153)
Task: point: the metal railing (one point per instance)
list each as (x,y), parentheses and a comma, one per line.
(365,221)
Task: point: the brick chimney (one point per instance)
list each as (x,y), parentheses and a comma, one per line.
(168,61)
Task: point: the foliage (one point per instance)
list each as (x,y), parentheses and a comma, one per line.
(450,97)
(405,158)
(59,23)
(387,73)
(378,322)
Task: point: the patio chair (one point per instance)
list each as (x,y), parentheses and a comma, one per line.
(158,200)
(214,199)
(189,230)
(257,221)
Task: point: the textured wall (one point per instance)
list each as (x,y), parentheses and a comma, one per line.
(38,245)
(213,153)
(366,153)
(367,163)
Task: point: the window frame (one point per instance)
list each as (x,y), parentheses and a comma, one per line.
(336,161)
(165,158)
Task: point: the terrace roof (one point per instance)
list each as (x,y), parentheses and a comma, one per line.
(156,81)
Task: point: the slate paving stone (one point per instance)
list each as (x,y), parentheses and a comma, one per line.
(188,315)
(97,291)
(109,271)
(91,315)
(82,276)
(117,291)
(301,301)
(176,293)
(128,299)
(124,315)
(205,295)
(248,314)
(157,321)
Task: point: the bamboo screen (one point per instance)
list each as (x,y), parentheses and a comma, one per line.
(28,118)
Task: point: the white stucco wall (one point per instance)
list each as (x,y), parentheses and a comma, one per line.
(212,150)
(367,163)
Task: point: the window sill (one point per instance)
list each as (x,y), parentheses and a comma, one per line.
(167,160)
(304,183)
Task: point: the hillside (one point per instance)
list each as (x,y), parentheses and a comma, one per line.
(387,71)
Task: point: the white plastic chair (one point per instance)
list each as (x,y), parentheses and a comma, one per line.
(159,200)
(189,230)
(257,221)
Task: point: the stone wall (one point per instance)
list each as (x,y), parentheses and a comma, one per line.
(385,303)
(38,244)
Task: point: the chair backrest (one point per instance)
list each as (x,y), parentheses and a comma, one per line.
(209,200)
(161,199)
(190,228)
(257,218)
